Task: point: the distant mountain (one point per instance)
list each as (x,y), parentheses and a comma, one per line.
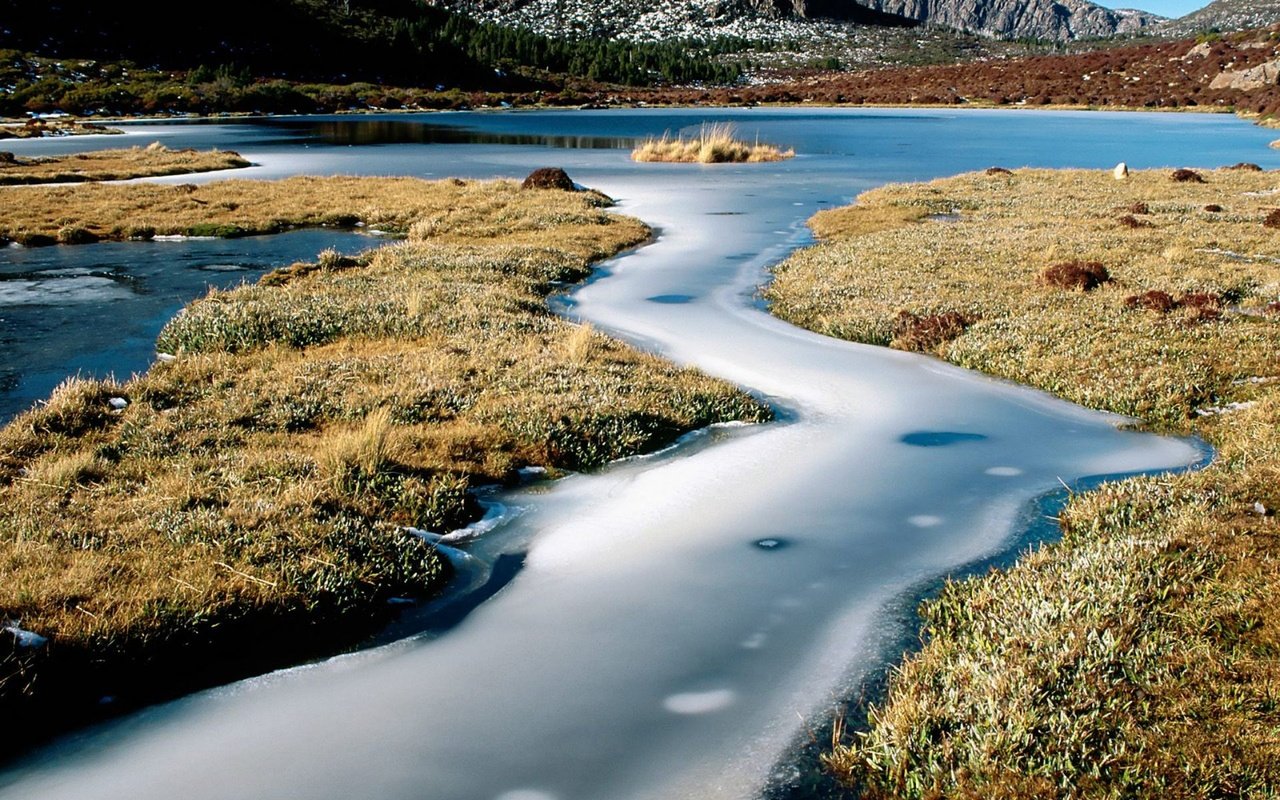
(1226,15)
(664,20)
(1060,20)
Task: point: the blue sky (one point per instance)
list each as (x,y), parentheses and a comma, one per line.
(1165,8)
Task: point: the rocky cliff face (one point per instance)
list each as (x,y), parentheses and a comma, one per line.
(1059,20)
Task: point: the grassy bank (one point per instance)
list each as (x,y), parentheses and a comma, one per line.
(243,504)
(714,144)
(114,165)
(1141,655)
(40,215)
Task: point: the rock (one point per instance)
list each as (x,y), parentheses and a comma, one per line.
(1248,80)
(24,639)
(1261,510)
(1121,171)
(549,178)
(118,403)
(1060,20)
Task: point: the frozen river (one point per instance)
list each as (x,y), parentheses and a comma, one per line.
(675,618)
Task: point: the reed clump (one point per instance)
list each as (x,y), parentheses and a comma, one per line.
(255,489)
(1140,655)
(714,144)
(115,165)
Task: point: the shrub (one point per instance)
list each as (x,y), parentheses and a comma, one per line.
(1272,219)
(1083,275)
(1186,176)
(925,332)
(548,178)
(74,234)
(1154,300)
(1130,221)
(998,171)
(1213,208)
(1139,208)
(1246,166)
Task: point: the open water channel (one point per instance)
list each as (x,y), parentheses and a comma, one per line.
(675,619)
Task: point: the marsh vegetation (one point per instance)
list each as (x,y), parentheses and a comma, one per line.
(114,165)
(1142,652)
(245,502)
(715,143)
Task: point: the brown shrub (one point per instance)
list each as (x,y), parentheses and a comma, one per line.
(1246,166)
(922,333)
(1272,308)
(1272,220)
(1154,300)
(1083,275)
(998,171)
(1186,176)
(1130,221)
(1201,300)
(548,178)
(1213,208)
(1139,208)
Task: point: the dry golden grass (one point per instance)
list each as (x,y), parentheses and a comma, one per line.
(714,144)
(242,207)
(115,165)
(1141,655)
(260,481)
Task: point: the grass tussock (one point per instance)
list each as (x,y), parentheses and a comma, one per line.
(1140,656)
(714,144)
(258,484)
(115,165)
(35,215)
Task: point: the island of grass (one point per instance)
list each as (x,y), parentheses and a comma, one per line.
(1140,656)
(258,497)
(37,216)
(714,144)
(114,165)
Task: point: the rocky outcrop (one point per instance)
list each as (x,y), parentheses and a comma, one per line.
(1038,19)
(1248,80)
(1224,16)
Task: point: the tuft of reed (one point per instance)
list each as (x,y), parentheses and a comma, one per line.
(715,143)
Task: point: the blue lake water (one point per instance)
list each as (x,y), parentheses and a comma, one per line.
(653,644)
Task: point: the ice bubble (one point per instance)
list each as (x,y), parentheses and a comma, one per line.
(1004,472)
(771,543)
(924,520)
(755,641)
(525,794)
(699,702)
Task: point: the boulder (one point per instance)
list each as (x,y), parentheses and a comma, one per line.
(1248,80)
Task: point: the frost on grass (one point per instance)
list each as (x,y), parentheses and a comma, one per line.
(1138,657)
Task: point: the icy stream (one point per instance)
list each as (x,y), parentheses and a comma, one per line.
(677,616)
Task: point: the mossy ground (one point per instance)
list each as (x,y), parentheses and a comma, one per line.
(1141,655)
(115,165)
(251,494)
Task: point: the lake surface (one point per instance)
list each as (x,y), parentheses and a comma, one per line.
(671,621)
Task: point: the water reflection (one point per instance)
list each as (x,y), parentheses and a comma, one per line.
(395,131)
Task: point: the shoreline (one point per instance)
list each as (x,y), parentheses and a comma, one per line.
(136,667)
(940,694)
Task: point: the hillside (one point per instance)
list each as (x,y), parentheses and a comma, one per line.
(773,19)
(1225,15)
(402,42)
(1057,20)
